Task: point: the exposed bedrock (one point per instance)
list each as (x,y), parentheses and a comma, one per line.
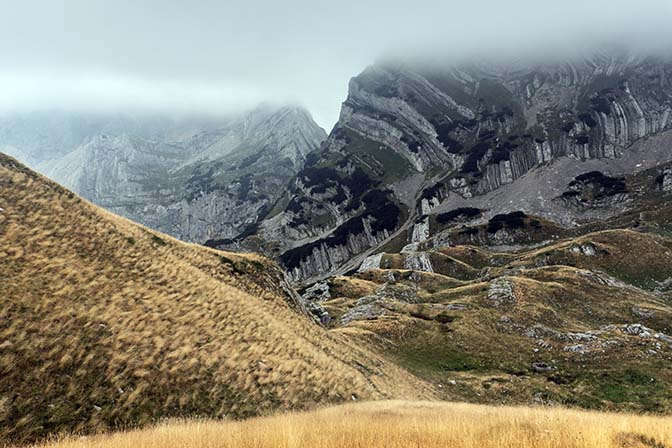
(495,138)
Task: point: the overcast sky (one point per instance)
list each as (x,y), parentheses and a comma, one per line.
(222,56)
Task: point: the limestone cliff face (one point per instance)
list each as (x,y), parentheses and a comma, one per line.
(207,187)
(422,137)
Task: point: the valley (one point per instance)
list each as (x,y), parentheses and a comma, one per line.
(476,255)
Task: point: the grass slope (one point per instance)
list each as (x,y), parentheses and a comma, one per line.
(105,324)
(593,313)
(405,424)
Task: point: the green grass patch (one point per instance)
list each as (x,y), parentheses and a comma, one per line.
(626,386)
(629,388)
(379,161)
(430,358)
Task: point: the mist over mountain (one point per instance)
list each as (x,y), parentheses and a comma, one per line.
(226,57)
(252,207)
(197,178)
(43,135)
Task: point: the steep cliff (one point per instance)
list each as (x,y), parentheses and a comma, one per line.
(428,139)
(207,187)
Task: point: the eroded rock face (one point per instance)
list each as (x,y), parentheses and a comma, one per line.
(418,261)
(596,190)
(665,180)
(424,137)
(209,187)
(371,262)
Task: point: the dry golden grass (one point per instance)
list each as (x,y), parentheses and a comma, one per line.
(396,424)
(104,323)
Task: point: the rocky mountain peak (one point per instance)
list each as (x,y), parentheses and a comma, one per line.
(416,140)
(210,183)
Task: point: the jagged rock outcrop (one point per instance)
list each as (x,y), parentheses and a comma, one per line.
(418,261)
(313,297)
(665,180)
(371,262)
(209,187)
(427,136)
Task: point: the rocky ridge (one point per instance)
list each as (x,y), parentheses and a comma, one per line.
(205,187)
(415,142)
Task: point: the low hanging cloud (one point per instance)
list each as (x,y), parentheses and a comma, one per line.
(100,92)
(217,57)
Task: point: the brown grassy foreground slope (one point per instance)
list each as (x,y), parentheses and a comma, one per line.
(104,324)
(405,424)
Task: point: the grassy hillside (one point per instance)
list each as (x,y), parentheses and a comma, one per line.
(406,424)
(584,322)
(105,324)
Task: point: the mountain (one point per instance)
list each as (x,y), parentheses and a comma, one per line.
(189,179)
(107,324)
(417,141)
(43,136)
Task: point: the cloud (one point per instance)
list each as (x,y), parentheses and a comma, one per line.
(104,91)
(218,56)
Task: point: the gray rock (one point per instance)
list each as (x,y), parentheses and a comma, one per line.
(586,337)
(646,313)
(371,262)
(366,308)
(588,250)
(316,309)
(664,285)
(579,348)
(663,337)
(666,181)
(389,277)
(418,261)
(210,185)
(637,330)
(500,291)
(543,344)
(319,292)
(542,367)
(602,278)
